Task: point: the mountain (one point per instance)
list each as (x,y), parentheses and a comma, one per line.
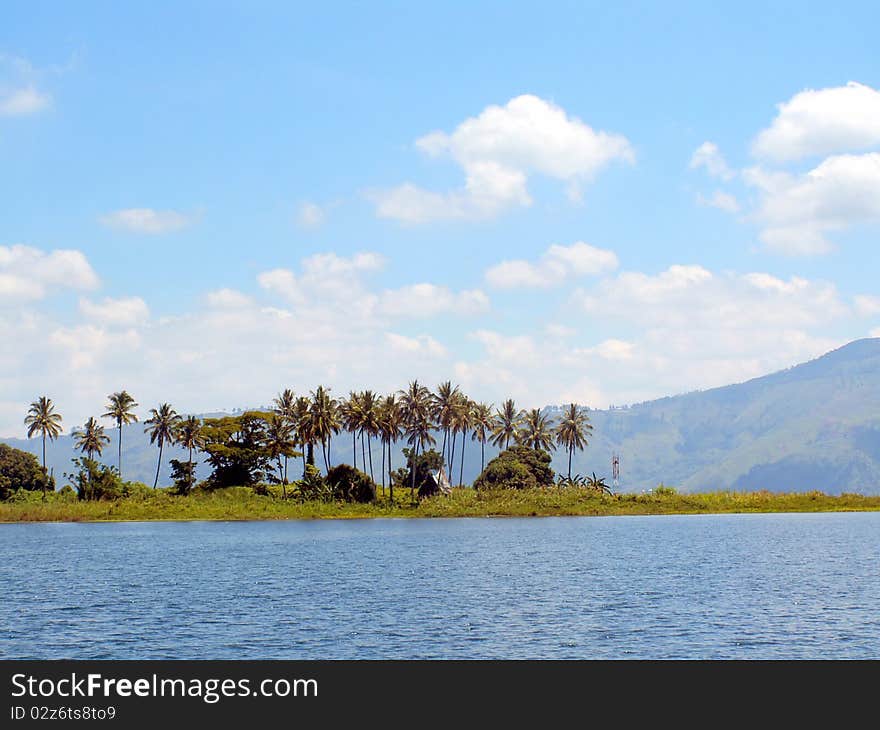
(813,426)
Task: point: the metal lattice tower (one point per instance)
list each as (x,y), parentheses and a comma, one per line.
(615,471)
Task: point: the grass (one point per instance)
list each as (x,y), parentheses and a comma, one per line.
(240,503)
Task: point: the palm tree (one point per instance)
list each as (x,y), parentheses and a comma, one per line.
(415,408)
(350,418)
(461,422)
(119,408)
(536,431)
(43,419)
(324,420)
(162,427)
(90,439)
(482,424)
(304,436)
(506,422)
(573,430)
(369,422)
(189,435)
(443,404)
(285,408)
(279,442)
(390,430)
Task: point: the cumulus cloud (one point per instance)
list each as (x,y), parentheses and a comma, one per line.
(721,200)
(822,122)
(21,102)
(125,311)
(797,212)
(708,156)
(310,215)
(556,265)
(424,345)
(428,300)
(28,274)
(867,305)
(497,151)
(147,221)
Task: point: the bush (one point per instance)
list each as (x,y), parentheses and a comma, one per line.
(519,467)
(67,494)
(94,481)
(348,484)
(426,463)
(312,486)
(183,475)
(21,470)
(663,491)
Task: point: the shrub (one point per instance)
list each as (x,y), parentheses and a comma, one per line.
(94,481)
(350,485)
(183,475)
(426,463)
(21,470)
(663,491)
(312,486)
(519,467)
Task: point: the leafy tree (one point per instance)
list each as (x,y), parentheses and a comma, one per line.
(482,424)
(237,449)
(285,408)
(573,430)
(183,476)
(43,419)
(94,481)
(119,408)
(323,420)
(443,404)
(536,430)
(350,485)
(420,467)
(313,487)
(506,422)
(162,427)
(519,467)
(21,470)
(350,419)
(188,434)
(279,443)
(302,426)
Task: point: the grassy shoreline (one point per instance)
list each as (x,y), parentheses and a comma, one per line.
(241,504)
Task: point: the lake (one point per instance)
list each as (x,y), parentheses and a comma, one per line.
(707,586)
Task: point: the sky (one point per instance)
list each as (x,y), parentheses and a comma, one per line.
(204,203)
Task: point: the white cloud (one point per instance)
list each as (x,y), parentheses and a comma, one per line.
(147,220)
(822,122)
(422,345)
(310,215)
(125,311)
(615,349)
(428,300)
(497,152)
(22,102)
(708,155)
(28,274)
(721,200)
(867,305)
(227,299)
(557,264)
(798,211)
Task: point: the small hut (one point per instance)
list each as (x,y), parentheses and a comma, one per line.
(436,483)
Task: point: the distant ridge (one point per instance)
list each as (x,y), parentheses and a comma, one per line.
(811,426)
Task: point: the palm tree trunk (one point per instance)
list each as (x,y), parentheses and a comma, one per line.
(363,453)
(283,480)
(329,454)
(570,449)
(324,454)
(45,473)
(390,478)
(461,468)
(370,452)
(383,467)
(191,476)
(119,460)
(412,468)
(482,455)
(158,465)
(452,458)
(443,448)
(354,449)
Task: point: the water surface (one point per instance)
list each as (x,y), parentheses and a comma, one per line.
(746,586)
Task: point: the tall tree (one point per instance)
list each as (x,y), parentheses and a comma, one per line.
(390,431)
(42,418)
(189,436)
(506,422)
(303,426)
(162,427)
(536,431)
(482,423)
(324,420)
(90,439)
(573,430)
(119,408)
(285,408)
(350,418)
(415,408)
(459,423)
(443,404)
(370,423)
(279,442)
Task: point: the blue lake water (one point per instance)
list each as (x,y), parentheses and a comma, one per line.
(744,586)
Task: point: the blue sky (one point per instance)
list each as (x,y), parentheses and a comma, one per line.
(206,202)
